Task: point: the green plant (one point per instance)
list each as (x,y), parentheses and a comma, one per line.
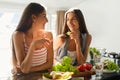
(93,50)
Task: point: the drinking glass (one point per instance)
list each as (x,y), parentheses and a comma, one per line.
(99,69)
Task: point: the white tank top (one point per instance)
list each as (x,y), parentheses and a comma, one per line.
(39,56)
(72,55)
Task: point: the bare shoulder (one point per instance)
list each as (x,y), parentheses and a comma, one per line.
(17,35)
(89,36)
(60,38)
(58,41)
(48,34)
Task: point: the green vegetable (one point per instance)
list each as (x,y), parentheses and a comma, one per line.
(68,33)
(65,65)
(110,65)
(93,50)
(66,60)
(57,67)
(47,75)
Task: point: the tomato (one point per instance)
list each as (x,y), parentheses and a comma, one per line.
(81,68)
(85,67)
(88,66)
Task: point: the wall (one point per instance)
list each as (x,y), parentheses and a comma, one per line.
(102,19)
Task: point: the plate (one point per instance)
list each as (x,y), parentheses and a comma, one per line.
(109,71)
(45,78)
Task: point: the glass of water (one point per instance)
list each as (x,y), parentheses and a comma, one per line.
(99,69)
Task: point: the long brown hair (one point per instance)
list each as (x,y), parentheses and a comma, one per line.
(26,23)
(26,19)
(81,21)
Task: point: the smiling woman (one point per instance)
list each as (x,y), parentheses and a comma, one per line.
(8,23)
(102,18)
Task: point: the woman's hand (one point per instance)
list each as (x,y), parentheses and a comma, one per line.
(75,35)
(41,43)
(16,70)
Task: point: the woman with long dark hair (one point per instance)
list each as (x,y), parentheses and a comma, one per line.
(32,46)
(75,39)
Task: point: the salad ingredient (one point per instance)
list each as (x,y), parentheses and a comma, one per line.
(93,50)
(68,33)
(65,66)
(47,75)
(88,66)
(81,68)
(61,75)
(55,75)
(110,65)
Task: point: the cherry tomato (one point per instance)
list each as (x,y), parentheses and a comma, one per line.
(81,68)
(88,66)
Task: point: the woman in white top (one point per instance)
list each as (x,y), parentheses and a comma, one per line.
(32,46)
(74,44)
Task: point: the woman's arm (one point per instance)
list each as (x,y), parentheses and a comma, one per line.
(22,60)
(88,41)
(58,41)
(75,35)
(25,62)
(79,54)
(81,57)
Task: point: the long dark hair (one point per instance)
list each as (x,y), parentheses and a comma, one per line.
(26,19)
(81,21)
(26,23)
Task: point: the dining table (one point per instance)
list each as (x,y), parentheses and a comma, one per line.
(87,75)
(107,76)
(90,75)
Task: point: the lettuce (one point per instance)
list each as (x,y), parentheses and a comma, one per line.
(110,65)
(65,66)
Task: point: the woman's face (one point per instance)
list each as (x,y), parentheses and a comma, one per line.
(41,20)
(72,21)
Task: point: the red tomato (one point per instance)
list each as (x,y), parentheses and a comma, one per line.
(81,68)
(88,66)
